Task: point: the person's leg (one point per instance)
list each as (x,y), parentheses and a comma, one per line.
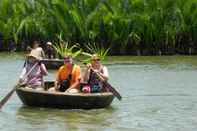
(72,91)
(52,89)
(27,87)
(39,88)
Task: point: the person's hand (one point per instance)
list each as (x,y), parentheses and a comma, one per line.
(67,91)
(89,66)
(20,81)
(96,71)
(56,86)
(39,62)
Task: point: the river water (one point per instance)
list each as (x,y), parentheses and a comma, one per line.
(159,94)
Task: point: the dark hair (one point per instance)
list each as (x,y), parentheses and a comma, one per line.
(36,42)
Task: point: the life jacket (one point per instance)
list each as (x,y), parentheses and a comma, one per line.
(65,84)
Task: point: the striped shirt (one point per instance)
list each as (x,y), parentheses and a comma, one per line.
(35,77)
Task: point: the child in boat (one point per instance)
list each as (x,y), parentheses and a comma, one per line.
(68,77)
(35,70)
(92,74)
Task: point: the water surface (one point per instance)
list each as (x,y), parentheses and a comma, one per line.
(159,94)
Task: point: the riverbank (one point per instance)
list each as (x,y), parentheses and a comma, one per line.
(124,60)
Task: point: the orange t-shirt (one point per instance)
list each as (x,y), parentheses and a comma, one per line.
(63,73)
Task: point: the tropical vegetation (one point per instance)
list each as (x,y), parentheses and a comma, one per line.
(138,27)
(64,48)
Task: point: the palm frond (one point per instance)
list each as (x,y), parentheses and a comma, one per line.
(63,48)
(101,52)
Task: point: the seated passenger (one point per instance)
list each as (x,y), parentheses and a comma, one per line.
(50,51)
(38,50)
(94,83)
(68,77)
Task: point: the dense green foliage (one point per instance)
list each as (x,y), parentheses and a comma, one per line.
(126,26)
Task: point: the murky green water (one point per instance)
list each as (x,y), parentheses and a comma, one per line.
(159,94)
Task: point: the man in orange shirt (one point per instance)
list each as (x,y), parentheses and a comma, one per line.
(68,77)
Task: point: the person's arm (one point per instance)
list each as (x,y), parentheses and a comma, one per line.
(21,77)
(57,81)
(43,69)
(53,53)
(28,49)
(77,78)
(86,74)
(42,53)
(56,84)
(105,74)
(75,85)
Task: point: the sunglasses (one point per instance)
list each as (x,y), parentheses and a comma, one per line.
(96,59)
(67,60)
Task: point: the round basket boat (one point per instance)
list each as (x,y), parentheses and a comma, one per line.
(53,63)
(61,100)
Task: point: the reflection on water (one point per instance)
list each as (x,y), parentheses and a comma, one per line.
(55,119)
(159,94)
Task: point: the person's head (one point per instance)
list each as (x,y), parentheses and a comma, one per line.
(95,60)
(28,49)
(32,57)
(68,60)
(36,44)
(49,44)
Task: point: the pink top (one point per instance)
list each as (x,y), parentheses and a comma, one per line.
(35,77)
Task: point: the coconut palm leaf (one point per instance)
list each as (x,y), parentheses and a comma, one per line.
(65,49)
(95,49)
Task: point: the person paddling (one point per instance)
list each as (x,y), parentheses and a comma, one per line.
(34,80)
(68,77)
(94,84)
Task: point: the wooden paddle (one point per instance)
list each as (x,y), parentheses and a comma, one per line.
(6,98)
(108,86)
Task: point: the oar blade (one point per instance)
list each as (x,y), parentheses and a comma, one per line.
(6,98)
(113,90)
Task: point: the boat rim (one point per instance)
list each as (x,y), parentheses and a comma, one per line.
(66,93)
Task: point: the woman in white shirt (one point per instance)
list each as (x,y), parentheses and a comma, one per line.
(37,50)
(92,74)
